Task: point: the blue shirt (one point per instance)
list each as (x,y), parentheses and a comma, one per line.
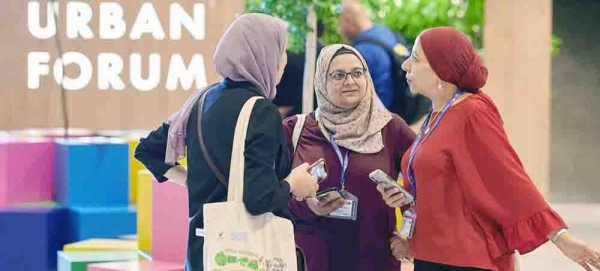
(379,61)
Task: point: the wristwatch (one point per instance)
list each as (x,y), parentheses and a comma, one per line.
(558,234)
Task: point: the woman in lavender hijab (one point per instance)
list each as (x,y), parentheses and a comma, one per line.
(250,57)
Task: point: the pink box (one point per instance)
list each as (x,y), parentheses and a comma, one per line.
(141,265)
(169,222)
(26,170)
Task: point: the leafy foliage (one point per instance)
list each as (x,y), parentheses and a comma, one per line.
(408,17)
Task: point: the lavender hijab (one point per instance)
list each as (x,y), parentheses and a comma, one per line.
(250,50)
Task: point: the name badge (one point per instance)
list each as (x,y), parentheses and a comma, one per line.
(350,209)
(408,223)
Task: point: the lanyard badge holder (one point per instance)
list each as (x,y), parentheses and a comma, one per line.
(349,210)
(409,217)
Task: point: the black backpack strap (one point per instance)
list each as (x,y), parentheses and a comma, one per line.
(378,42)
(389,49)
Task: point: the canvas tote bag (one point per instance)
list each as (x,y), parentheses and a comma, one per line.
(234,239)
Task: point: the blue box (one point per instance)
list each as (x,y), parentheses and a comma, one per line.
(30,237)
(92,172)
(102,222)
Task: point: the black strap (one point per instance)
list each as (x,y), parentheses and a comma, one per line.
(211,164)
(378,42)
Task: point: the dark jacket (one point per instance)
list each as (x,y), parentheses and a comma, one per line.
(266,158)
(290,88)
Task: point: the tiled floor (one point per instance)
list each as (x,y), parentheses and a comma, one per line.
(584,221)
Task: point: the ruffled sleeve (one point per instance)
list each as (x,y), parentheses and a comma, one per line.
(498,192)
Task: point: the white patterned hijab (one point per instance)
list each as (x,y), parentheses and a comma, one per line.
(357,129)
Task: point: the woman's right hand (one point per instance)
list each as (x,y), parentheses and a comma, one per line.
(325,206)
(302,184)
(399,247)
(393,197)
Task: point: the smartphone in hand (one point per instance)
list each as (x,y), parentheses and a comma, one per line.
(379,177)
(318,170)
(329,194)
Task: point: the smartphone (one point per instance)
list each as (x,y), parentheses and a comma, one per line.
(330,193)
(378,176)
(318,170)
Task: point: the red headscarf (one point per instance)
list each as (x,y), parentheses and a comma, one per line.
(453,58)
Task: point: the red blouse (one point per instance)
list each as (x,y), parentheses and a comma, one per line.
(475,203)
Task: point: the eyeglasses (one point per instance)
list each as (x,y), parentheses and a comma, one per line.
(341,76)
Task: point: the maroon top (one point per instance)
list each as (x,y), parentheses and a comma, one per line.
(337,244)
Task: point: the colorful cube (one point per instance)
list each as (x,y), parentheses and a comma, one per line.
(92,172)
(128,237)
(144,210)
(79,260)
(98,222)
(134,167)
(26,170)
(102,244)
(169,222)
(141,265)
(31,237)
(133,138)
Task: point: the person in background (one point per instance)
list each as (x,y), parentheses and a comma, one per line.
(356,135)
(250,57)
(354,25)
(289,89)
(475,204)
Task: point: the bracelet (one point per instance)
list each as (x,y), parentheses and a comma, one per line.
(557,235)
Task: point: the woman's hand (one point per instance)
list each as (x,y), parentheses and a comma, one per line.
(325,206)
(178,175)
(578,251)
(302,184)
(399,247)
(393,197)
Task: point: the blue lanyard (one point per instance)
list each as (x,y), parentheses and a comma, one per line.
(343,161)
(417,143)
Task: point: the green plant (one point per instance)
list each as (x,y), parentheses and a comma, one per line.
(408,17)
(294,12)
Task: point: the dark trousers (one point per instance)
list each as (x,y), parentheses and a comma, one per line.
(429,266)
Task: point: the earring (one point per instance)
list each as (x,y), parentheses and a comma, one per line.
(440,86)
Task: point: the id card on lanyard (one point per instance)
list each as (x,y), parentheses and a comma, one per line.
(349,210)
(409,218)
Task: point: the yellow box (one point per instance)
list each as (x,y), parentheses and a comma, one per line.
(98,244)
(398,210)
(144,210)
(134,167)
(183,161)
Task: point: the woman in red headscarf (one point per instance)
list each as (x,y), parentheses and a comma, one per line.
(475,205)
